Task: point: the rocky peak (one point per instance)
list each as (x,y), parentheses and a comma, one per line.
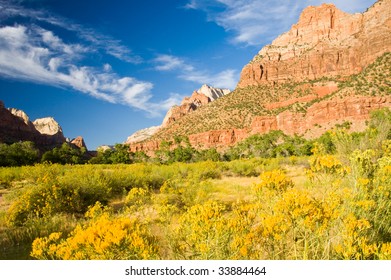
(200,97)
(212,93)
(47,126)
(79,142)
(15,125)
(20,114)
(324,42)
(142,134)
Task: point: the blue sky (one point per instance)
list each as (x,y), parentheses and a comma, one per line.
(105,69)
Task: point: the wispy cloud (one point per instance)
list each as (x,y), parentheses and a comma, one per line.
(166,62)
(254,22)
(39,56)
(224,79)
(33,53)
(95,40)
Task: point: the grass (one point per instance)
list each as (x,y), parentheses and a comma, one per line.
(232,189)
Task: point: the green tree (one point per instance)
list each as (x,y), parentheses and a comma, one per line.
(17,154)
(66,154)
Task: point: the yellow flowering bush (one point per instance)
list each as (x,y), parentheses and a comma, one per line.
(40,201)
(328,164)
(354,244)
(202,232)
(101,238)
(363,163)
(138,197)
(274,180)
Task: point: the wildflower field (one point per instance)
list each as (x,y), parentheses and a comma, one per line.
(324,206)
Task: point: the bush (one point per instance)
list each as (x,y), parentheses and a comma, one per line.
(275,180)
(18,154)
(72,192)
(66,154)
(101,238)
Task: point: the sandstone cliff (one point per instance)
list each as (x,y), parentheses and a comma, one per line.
(203,96)
(15,126)
(200,97)
(79,142)
(50,128)
(325,42)
(142,134)
(331,67)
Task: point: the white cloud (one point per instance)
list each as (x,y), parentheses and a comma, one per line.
(167,62)
(224,79)
(191,5)
(39,56)
(255,22)
(107,67)
(95,40)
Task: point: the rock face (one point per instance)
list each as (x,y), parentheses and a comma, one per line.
(20,114)
(322,116)
(203,96)
(142,134)
(79,142)
(16,126)
(48,126)
(200,97)
(213,93)
(319,118)
(325,42)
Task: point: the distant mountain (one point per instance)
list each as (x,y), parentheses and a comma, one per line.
(15,126)
(142,134)
(200,97)
(331,67)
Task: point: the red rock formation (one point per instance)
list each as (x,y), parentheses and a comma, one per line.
(79,142)
(325,42)
(203,96)
(145,146)
(15,126)
(318,91)
(217,138)
(325,114)
(319,117)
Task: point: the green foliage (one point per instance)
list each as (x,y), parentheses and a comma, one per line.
(326,141)
(192,210)
(363,163)
(17,154)
(245,167)
(70,193)
(372,138)
(272,144)
(66,154)
(119,154)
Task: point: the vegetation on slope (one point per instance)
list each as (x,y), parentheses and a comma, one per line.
(238,109)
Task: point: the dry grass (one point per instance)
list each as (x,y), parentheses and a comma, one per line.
(232,189)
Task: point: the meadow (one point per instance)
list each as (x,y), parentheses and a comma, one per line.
(296,208)
(329,205)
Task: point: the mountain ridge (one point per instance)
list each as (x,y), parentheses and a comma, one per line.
(302,72)
(45,133)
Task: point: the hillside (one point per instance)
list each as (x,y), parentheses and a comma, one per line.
(329,68)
